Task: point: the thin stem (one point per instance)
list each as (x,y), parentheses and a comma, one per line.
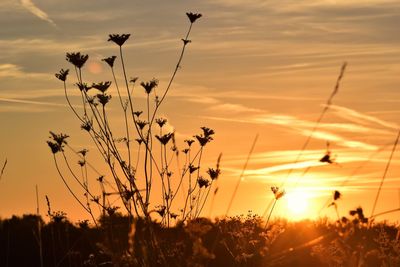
(270,213)
(384,173)
(241,175)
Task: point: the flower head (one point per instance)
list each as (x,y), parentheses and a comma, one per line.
(137,113)
(57,143)
(277,193)
(203,182)
(161,122)
(192,168)
(193,16)
(102,86)
(103,98)
(164,139)
(189,142)
(87,126)
(186,41)
(140,141)
(110,60)
(336,195)
(83,152)
(133,80)
(160,210)
(214,173)
(119,39)
(77,59)
(207,131)
(83,86)
(141,124)
(150,85)
(62,75)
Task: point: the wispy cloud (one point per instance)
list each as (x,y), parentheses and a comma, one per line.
(233,108)
(22,101)
(31,7)
(15,71)
(361,118)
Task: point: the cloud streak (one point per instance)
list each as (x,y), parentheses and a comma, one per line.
(32,8)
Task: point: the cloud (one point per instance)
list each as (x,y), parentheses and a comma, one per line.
(31,7)
(233,108)
(15,71)
(22,101)
(358,117)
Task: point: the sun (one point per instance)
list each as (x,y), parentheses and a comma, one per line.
(297,204)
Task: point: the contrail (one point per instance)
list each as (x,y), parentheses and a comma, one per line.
(31,7)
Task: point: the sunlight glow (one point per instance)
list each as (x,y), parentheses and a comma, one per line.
(297,204)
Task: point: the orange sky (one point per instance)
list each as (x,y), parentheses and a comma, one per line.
(265,67)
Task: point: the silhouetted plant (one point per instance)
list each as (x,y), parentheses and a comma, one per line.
(131,181)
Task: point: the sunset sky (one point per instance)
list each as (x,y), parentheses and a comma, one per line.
(253,67)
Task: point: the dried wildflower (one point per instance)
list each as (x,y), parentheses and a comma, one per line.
(59,138)
(103,98)
(54,147)
(140,141)
(77,59)
(101,178)
(87,126)
(137,113)
(164,139)
(150,85)
(160,210)
(111,210)
(189,142)
(173,215)
(186,150)
(327,158)
(83,86)
(203,140)
(193,16)
(192,168)
(277,193)
(81,163)
(141,124)
(161,122)
(186,41)
(133,80)
(83,152)
(207,131)
(62,75)
(102,86)
(203,182)
(119,39)
(213,173)
(336,195)
(110,60)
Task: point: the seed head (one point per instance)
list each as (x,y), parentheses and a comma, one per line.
(164,139)
(193,16)
(119,39)
(103,98)
(110,60)
(102,86)
(203,182)
(161,122)
(150,85)
(62,75)
(77,59)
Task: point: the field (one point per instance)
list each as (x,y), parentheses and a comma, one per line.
(217,138)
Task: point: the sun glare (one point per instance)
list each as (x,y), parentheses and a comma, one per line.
(297,204)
